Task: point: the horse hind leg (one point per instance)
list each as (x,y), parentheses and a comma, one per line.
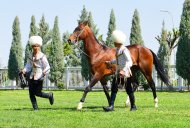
(87,89)
(153,88)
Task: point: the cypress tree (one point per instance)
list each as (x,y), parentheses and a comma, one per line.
(92,25)
(56,58)
(83,16)
(163,49)
(135,35)
(15,61)
(33,31)
(136,38)
(183,54)
(85,71)
(44,33)
(111,28)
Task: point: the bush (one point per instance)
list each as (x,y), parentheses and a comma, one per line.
(60,85)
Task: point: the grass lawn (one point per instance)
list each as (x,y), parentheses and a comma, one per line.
(16,111)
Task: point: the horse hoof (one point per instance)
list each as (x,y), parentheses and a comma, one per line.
(156,105)
(156,102)
(79,107)
(127,103)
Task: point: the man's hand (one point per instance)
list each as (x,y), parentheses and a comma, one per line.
(44,73)
(22,72)
(122,73)
(107,63)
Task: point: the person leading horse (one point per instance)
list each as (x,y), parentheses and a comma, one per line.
(124,63)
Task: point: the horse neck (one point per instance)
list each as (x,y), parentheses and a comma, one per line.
(91,45)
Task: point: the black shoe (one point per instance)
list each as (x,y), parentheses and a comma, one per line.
(51,99)
(134,108)
(35,107)
(109,108)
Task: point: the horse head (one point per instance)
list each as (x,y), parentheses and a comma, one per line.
(80,33)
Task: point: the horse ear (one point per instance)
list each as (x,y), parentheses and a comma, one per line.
(83,23)
(86,23)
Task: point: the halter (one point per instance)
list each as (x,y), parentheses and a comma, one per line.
(77,36)
(77,40)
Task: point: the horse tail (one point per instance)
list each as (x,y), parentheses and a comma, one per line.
(160,70)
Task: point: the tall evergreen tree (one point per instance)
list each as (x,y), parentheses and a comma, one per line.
(136,38)
(135,35)
(84,15)
(85,71)
(183,54)
(92,25)
(33,31)
(111,28)
(44,33)
(163,49)
(56,58)
(15,61)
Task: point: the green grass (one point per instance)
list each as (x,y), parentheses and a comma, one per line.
(16,111)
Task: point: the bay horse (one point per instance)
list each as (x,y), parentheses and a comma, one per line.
(142,57)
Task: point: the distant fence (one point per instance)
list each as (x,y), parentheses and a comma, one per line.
(72,79)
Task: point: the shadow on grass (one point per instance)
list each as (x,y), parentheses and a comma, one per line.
(91,108)
(71,109)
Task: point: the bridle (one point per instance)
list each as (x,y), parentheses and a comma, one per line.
(77,40)
(77,36)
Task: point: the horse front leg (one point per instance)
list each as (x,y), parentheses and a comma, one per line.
(87,89)
(106,91)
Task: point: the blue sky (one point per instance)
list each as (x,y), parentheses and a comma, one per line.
(68,11)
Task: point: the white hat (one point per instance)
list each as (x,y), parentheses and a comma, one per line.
(35,40)
(118,37)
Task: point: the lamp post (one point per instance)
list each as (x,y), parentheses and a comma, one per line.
(170,15)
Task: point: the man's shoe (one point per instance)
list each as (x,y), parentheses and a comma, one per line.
(109,108)
(134,108)
(35,109)
(35,106)
(51,99)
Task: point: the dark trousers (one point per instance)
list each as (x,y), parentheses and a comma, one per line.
(116,81)
(128,87)
(35,89)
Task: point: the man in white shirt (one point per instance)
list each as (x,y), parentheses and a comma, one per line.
(124,62)
(38,64)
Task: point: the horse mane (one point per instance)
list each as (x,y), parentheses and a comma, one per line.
(104,46)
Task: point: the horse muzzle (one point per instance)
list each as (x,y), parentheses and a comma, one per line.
(71,41)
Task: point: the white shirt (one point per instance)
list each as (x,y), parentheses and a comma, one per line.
(123,61)
(38,65)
